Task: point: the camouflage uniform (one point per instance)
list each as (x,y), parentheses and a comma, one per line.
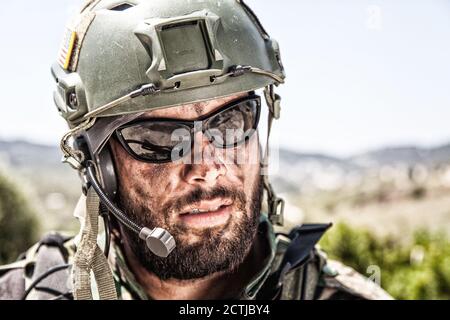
(315,277)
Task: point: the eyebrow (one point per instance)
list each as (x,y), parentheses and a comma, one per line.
(199,108)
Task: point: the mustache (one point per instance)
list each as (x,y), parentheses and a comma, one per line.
(200,194)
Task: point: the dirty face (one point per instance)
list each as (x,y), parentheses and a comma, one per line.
(211,207)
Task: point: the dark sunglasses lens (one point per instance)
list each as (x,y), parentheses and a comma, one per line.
(235,125)
(164,141)
(157,141)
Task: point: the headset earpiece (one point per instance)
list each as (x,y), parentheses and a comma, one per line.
(107,170)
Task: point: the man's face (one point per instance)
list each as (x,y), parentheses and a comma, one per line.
(210,207)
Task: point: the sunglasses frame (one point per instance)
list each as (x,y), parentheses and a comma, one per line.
(190,124)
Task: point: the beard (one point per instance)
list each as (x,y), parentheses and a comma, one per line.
(221,248)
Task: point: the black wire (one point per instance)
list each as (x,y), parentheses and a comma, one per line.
(68,295)
(48,290)
(91,175)
(44,276)
(105,218)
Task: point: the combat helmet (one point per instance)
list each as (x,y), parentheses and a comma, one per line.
(119,59)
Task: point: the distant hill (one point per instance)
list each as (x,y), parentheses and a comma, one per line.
(403,155)
(51,187)
(24,154)
(408,155)
(299,171)
(295,171)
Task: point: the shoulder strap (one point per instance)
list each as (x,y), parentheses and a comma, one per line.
(47,271)
(342,282)
(48,253)
(89,257)
(298,253)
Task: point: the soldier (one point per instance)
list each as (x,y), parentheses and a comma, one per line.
(160,97)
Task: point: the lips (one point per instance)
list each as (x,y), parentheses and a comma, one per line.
(205,206)
(207,213)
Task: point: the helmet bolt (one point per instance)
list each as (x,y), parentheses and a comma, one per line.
(73,101)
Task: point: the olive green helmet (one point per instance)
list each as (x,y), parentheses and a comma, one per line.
(119,59)
(126,57)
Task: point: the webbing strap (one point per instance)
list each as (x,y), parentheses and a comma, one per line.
(88,4)
(90,257)
(303,240)
(103,276)
(80,24)
(275,204)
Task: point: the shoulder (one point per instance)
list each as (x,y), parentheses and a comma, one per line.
(340,282)
(318,277)
(51,251)
(12,282)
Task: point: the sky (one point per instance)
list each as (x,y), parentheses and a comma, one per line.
(360,74)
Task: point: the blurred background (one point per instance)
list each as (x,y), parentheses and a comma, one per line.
(363,141)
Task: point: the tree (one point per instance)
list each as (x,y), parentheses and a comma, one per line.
(19,226)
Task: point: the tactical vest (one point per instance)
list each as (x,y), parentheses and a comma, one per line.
(300,271)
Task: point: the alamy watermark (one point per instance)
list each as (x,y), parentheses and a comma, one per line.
(374,20)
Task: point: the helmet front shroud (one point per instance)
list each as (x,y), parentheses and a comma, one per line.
(119,59)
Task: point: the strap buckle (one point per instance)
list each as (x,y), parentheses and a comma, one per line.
(277,211)
(74,163)
(273,101)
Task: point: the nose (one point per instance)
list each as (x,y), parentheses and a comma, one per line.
(205,167)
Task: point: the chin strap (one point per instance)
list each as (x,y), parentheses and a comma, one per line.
(275,204)
(89,257)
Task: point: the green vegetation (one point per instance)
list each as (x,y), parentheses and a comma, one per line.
(418,269)
(18,224)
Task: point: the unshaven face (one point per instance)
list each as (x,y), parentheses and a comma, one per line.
(211,207)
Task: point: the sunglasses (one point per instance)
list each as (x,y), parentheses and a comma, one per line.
(165,140)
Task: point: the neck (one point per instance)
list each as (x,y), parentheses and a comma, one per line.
(220,285)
